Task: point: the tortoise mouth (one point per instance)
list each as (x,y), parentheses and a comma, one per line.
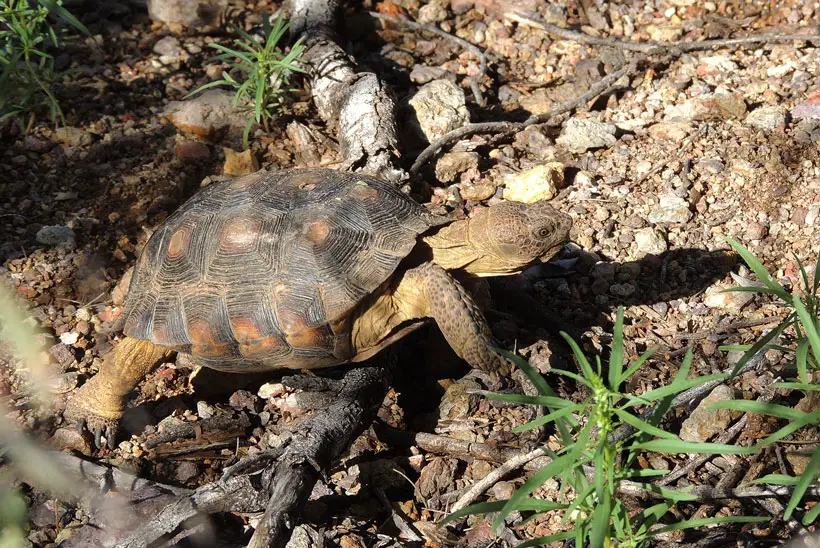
(551,253)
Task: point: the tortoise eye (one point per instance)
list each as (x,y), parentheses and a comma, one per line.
(543,231)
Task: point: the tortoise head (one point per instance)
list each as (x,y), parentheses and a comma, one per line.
(502,239)
(510,236)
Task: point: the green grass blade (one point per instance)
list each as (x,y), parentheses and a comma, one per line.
(638,363)
(643,426)
(533,483)
(759,346)
(748,406)
(809,326)
(811,515)
(670,390)
(616,354)
(759,270)
(675,446)
(546,419)
(810,418)
(533,505)
(599,530)
(693,523)
(574,376)
(775,479)
(583,363)
(806,479)
(546,401)
(670,494)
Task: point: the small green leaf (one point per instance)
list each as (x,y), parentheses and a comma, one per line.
(533,483)
(586,369)
(764,408)
(806,479)
(809,326)
(638,363)
(643,426)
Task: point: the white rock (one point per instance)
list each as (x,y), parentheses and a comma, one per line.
(670,209)
(580,135)
(269,390)
(69,337)
(649,241)
(767,118)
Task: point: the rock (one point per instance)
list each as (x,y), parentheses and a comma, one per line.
(536,184)
(436,478)
(580,135)
(710,106)
(239,163)
(431,13)
(120,291)
(190,152)
(70,438)
(56,236)
(812,214)
(210,114)
(716,64)
(271,390)
(477,192)
(63,383)
(179,14)
(670,209)
(717,297)
(767,118)
(502,490)
(421,74)
(440,107)
(704,423)
(453,164)
(205,410)
(186,470)
(670,131)
(69,337)
(304,536)
(242,399)
(63,355)
(168,47)
(650,241)
(47,514)
(622,290)
(810,108)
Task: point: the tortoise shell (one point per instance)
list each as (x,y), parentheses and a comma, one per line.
(264,271)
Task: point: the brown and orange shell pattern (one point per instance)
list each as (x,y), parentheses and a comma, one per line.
(264,271)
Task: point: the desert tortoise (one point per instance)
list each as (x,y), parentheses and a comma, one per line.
(308,268)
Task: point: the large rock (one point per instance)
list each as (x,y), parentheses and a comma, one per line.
(180,14)
(536,184)
(580,135)
(440,107)
(210,115)
(705,422)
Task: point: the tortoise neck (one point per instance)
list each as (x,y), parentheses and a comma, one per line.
(450,246)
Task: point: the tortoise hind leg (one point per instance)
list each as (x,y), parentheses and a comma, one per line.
(99,403)
(429,291)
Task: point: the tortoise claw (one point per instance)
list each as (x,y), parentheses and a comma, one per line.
(89,417)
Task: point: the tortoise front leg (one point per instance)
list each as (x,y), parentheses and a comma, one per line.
(429,291)
(100,402)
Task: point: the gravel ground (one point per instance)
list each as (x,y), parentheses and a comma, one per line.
(707,145)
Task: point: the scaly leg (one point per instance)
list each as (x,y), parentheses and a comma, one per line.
(99,403)
(429,291)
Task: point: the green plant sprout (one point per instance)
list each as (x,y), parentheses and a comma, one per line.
(804,319)
(590,466)
(260,73)
(27,72)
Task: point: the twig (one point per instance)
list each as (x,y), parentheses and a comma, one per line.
(707,492)
(604,86)
(727,328)
(479,487)
(697,461)
(651,47)
(398,520)
(475,50)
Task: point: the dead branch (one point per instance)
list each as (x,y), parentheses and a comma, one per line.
(605,86)
(281,490)
(472,48)
(479,487)
(656,48)
(359,102)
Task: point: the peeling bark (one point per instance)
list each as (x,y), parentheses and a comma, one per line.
(359,102)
